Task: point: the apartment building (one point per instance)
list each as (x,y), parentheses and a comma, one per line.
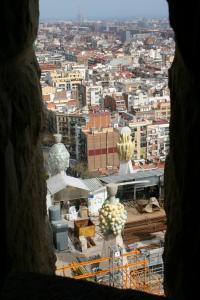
(101,149)
(98,120)
(158,139)
(162,110)
(117,103)
(65,80)
(139,135)
(93,95)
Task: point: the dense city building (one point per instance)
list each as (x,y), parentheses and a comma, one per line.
(100,76)
(105,84)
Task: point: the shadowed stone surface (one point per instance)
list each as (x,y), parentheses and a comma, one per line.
(28,244)
(182,175)
(40,287)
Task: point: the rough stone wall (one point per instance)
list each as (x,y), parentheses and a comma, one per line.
(28,246)
(23,190)
(182,174)
(43,287)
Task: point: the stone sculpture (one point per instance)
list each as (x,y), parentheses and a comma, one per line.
(112,215)
(125,149)
(58,158)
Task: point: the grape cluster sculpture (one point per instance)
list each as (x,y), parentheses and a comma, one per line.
(112,218)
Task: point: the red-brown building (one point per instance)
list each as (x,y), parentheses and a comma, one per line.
(116,103)
(101,149)
(47,67)
(98,120)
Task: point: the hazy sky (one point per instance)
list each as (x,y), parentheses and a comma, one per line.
(69,9)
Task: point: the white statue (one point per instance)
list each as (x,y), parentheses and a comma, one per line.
(58,159)
(112,218)
(112,215)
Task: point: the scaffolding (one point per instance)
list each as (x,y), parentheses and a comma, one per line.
(116,260)
(139,269)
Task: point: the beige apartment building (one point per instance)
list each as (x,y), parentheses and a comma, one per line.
(47,90)
(158,139)
(139,135)
(162,110)
(65,80)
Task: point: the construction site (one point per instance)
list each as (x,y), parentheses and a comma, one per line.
(135,264)
(140,269)
(108,230)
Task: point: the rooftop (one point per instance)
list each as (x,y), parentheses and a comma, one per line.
(93,184)
(141,174)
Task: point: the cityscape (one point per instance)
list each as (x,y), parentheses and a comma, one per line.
(105,140)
